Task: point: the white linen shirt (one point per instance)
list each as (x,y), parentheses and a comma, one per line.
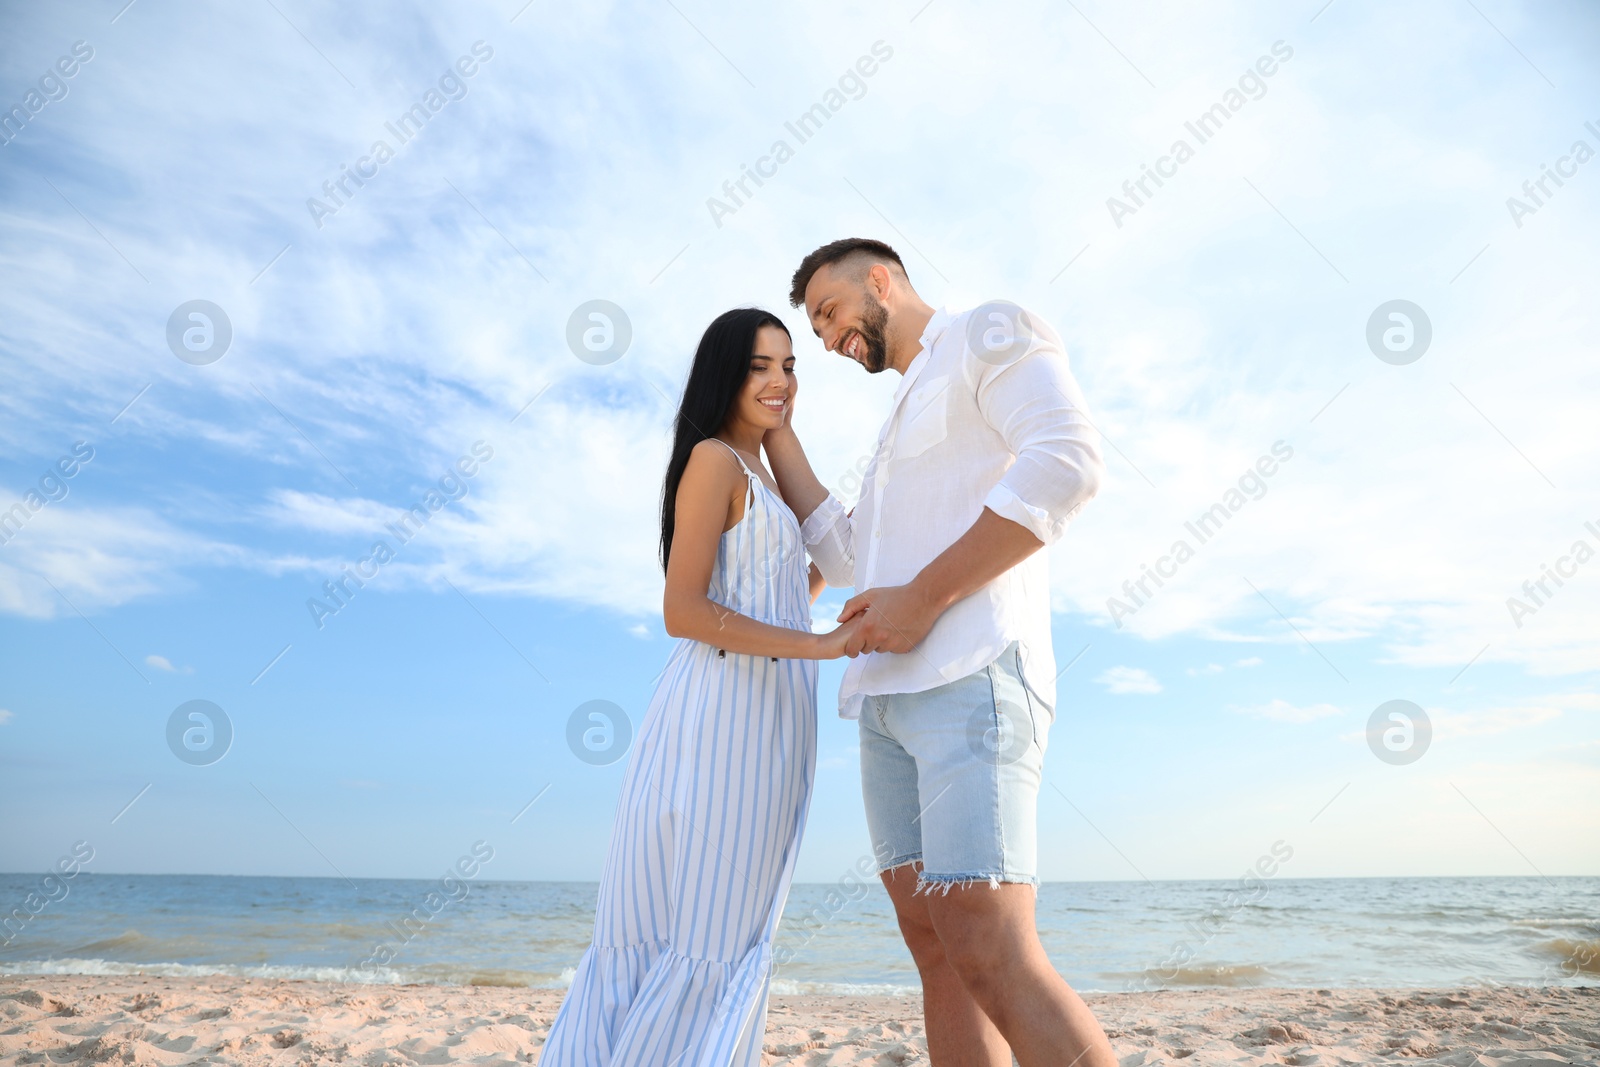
(969,428)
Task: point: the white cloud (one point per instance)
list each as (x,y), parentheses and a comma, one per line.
(5,716)
(1249,661)
(100,556)
(1500,718)
(1125,680)
(1209,668)
(160,663)
(1283,711)
(1496,720)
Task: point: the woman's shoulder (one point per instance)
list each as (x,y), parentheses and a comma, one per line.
(712,473)
(715,461)
(712,483)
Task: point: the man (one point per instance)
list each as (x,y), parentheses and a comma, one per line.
(985,457)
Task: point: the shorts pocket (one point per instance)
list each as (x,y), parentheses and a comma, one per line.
(1036,703)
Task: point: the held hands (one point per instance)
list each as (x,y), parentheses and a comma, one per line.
(893,618)
(832,645)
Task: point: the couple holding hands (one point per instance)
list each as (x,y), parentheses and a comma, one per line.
(986,455)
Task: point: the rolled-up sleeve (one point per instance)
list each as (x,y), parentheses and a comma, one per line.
(828,534)
(1035,404)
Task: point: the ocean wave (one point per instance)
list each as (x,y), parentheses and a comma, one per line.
(501,977)
(1577,957)
(126,939)
(790,987)
(427,975)
(1240,974)
(80,965)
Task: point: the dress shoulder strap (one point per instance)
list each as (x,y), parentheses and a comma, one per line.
(742,464)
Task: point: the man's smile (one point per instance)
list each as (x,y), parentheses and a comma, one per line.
(852,345)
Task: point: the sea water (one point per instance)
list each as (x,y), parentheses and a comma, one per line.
(1101,936)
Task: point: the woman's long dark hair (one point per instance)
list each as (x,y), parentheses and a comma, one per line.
(721,365)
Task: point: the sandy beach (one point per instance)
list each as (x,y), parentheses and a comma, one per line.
(161,1021)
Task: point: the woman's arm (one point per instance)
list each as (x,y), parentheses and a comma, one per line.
(824,524)
(798,484)
(710,497)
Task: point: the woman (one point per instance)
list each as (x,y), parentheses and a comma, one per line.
(715,794)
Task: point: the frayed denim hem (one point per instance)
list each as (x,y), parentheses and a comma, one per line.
(903,861)
(927,883)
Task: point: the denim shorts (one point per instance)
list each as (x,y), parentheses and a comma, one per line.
(950,776)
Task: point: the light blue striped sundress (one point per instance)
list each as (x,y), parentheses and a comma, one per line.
(712,810)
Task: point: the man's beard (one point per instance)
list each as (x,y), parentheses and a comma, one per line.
(874,326)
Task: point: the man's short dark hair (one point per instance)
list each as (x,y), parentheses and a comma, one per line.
(832,253)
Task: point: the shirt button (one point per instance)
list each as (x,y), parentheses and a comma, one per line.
(876,534)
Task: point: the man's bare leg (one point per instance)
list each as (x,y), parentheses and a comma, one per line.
(987,937)
(959,1033)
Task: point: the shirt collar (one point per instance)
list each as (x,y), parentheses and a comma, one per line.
(930,336)
(936,326)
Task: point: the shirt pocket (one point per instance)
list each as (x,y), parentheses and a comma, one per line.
(924,423)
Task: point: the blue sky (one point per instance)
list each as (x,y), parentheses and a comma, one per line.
(428,313)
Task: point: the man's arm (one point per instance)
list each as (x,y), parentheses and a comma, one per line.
(902,615)
(1034,403)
